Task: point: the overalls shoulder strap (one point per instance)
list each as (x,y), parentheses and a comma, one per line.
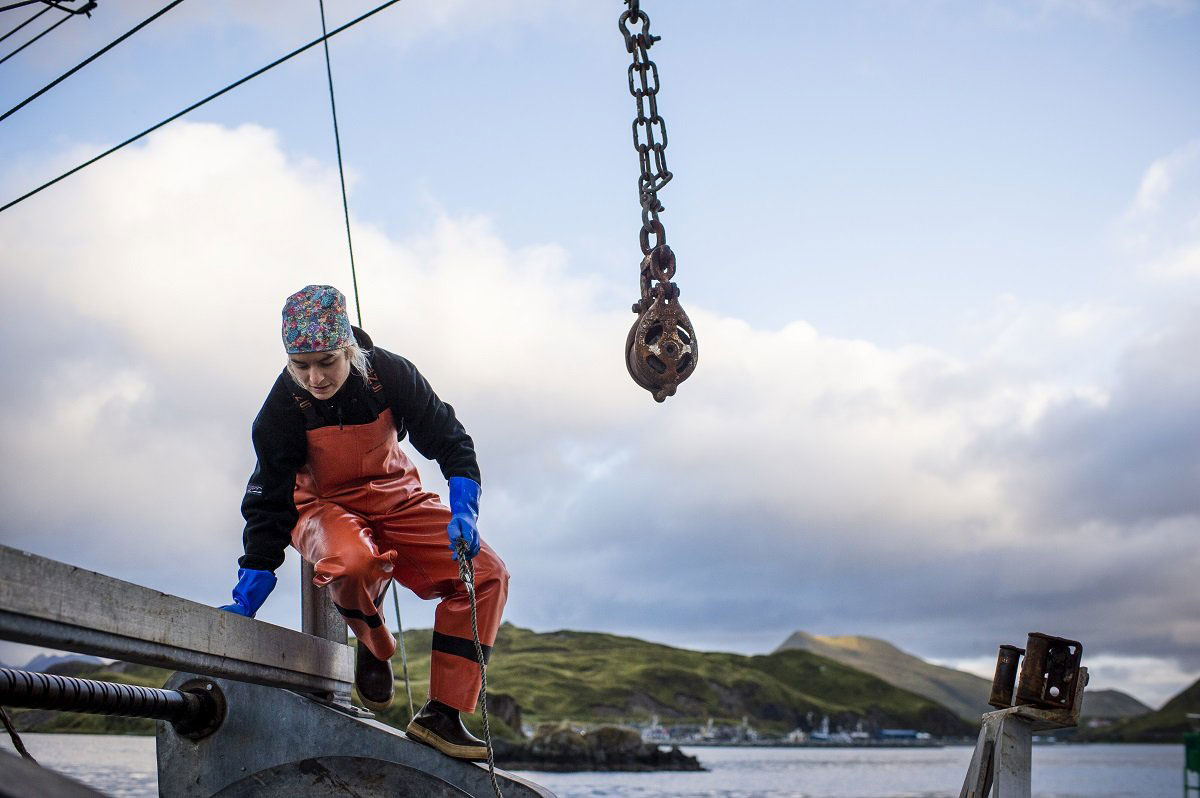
(311,419)
(375,393)
(375,397)
(379,402)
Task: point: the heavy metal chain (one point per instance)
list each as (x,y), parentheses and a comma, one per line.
(649,129)
(661,350)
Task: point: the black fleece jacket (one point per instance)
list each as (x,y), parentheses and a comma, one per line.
(282,448)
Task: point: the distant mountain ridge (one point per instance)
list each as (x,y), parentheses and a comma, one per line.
(963,693)
(1167,725)
(43,662)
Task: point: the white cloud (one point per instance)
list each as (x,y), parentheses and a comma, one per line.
(795,474)
(1162,176)
(1160,230)
(1179,263)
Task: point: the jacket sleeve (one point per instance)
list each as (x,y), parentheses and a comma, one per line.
(268,505)
(432,426)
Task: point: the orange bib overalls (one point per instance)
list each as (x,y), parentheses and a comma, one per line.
(365,520)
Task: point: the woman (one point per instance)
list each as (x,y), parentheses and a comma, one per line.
(333,481)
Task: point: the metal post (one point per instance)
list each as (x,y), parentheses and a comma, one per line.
(1191,758)
(319,617)
(1001,766)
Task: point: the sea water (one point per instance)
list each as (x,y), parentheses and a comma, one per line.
(125,767)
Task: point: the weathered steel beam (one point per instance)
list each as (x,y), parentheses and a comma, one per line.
(49,603)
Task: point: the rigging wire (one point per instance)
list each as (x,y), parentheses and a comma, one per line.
(199,103)
(11,6)
(23,24)
(87,60)
(85,10)
(35,38)
(341,171)
(412,713)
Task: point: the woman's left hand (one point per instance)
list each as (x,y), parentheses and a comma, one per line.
(464,504)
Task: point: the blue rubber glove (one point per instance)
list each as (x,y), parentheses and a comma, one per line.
(464,504)
(251,591)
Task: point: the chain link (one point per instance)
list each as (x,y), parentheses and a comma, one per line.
(661,349)
(649,128)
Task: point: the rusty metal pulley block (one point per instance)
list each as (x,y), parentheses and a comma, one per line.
(661,348)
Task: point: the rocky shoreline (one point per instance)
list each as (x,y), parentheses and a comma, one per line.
(608,748)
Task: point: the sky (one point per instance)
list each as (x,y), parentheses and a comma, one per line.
(942,258)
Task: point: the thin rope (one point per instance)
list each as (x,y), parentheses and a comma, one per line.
(87,61)
(35,38)
(23,24)
(196,105)
(342,176)
(466,572)
(16,738)
(403,656)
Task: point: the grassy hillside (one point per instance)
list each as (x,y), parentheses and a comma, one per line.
(599,678)
(1167,725)
(964,693)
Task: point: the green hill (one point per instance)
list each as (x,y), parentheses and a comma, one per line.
(1167,725)
(599,678)
(964,693)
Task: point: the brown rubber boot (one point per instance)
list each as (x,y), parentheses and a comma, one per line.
(373,679)
(440,726)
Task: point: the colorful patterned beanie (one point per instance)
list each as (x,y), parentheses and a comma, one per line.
(315,320)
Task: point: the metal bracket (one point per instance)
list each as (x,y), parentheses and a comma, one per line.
(1003,751)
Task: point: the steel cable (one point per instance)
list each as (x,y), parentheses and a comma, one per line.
(87,61)
(34,39)
(23,24)
(403,654)
(199,103)
(341,171)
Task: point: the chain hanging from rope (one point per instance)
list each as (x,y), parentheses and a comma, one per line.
(661,349)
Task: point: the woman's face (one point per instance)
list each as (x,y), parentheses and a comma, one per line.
(320,373)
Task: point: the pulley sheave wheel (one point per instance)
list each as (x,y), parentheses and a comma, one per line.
(661,350)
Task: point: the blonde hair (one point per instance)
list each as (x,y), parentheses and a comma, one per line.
(358,359)
(352,351)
